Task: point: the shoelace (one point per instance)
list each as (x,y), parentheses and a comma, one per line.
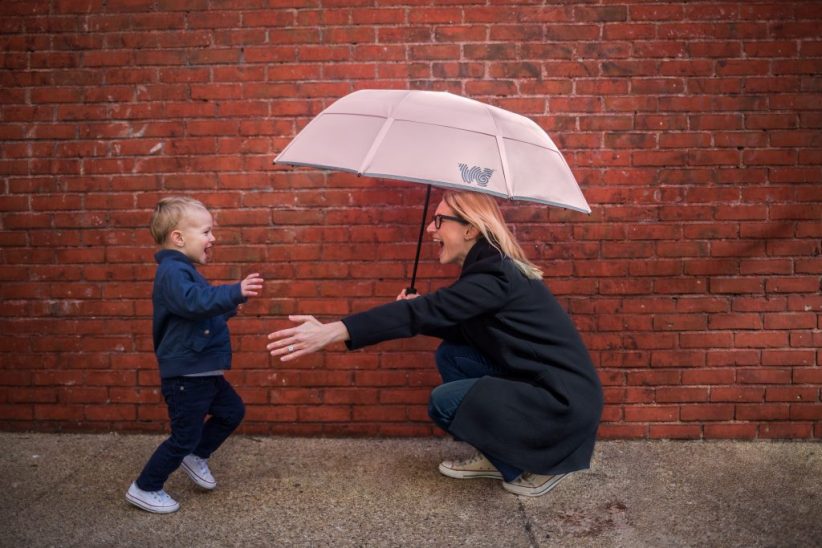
(159,496)
(202,465)
(532,478)
(476,459)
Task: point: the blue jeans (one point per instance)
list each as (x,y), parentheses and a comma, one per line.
(190,400)
(460,366)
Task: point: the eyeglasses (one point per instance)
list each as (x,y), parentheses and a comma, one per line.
(438,220)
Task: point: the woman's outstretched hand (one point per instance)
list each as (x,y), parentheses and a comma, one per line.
(308,337)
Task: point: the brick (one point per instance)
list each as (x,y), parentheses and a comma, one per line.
(58,412)
(291,396)
(675,431)
(735,321)
(791,394)
(791,321)
(707,413)
(386,413)
(678,359)
(666,413)
(788,357)
(733,394)
(778,430)
(638,395)
(761,412)
(16,412)
(622,431)
(272,414)
(808,375)
(355,396)
(763,376)
(325,413)
(682,394)
(613,395)
(763,339)
(741,431)
(708,376)
(806,412)
(109,412)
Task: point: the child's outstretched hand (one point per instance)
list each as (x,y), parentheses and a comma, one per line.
(251,285)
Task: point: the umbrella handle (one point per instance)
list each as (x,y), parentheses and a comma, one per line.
(413,290)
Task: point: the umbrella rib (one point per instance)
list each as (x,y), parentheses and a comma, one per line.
(506,170)
(375,145)
(389,119)
(422,123)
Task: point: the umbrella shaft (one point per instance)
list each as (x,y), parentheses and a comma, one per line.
(411,290)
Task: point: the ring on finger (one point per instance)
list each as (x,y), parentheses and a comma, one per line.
(291,348)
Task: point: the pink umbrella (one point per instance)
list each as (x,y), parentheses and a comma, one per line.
(439,139)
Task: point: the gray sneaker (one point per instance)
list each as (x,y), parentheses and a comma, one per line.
(532,485)
(475,467)
(197,470)
(158,502)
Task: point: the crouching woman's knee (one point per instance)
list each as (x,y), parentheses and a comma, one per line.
(446,399)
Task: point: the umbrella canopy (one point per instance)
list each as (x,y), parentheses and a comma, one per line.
(439,139)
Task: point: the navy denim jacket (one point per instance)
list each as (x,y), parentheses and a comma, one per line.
(190,318)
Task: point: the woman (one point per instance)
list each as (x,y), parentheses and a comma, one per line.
(518,383)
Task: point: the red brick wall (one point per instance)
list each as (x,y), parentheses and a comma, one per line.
(693,127)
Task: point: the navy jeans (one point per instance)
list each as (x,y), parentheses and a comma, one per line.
(190,400)
(460,366)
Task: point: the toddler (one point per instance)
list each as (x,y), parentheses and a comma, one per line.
(193,349)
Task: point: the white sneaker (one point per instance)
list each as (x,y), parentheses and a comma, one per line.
(532,485)
(197,470)
(474,467)
(158,502)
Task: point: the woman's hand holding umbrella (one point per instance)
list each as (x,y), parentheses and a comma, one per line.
(404,295)
(308,337)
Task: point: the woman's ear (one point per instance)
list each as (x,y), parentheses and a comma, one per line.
(471,233)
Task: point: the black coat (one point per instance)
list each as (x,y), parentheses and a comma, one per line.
(542,411)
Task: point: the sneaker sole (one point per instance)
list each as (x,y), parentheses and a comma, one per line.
(208,486)
(149,508)
(468,474)
(534,491)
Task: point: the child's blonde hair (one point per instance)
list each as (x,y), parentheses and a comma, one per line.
(482,211)
(167,215)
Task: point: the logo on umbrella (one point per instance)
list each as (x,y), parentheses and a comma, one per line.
(476,174)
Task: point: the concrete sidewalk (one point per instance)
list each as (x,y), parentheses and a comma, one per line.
(68,490)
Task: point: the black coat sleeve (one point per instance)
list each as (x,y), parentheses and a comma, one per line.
(436,314)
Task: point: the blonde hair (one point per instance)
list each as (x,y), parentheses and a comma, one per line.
(167,215)
(482,211)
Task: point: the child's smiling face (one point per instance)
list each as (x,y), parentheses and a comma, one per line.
(194,236)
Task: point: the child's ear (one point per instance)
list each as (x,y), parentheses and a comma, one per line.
(176,238)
